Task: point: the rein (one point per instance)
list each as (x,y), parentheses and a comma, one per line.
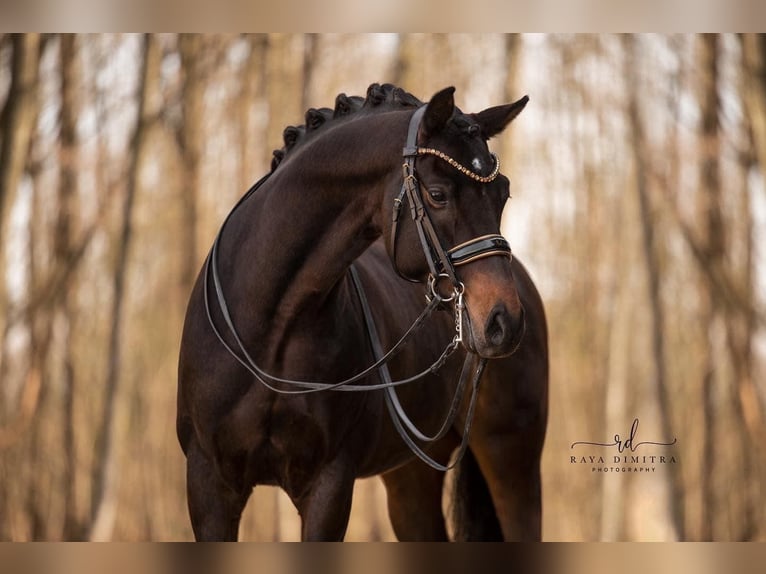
(269,380)
(395,409)
(441,264)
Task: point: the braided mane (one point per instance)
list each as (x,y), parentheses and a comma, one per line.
(379,98)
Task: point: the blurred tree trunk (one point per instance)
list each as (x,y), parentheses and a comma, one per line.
(745,400)
(64,250)
(754,88)
(741,319)
(402,71)
(444,65)
(285,61)
(511,93)
(39,319)
(574,237)
(19,115)
(251,98)
(732,411)
(190,143)
(310,52)
(111,429)
(423,61)
(18,119)
(754,55)
(728,294)
(618,375)
(513,43)
(46,489)
(712,248)
(742,329)
(650,247)
(17,123)
(730,315)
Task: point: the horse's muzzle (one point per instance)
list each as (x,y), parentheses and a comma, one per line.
(501,334)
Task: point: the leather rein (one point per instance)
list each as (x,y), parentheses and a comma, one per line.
(441,264)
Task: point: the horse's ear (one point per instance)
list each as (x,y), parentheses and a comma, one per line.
(438,112)
(494,120)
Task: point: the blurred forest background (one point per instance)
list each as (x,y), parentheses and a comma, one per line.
(639,206)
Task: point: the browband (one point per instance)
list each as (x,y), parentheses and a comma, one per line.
(460,167)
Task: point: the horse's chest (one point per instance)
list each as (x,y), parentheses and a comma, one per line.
(297,437)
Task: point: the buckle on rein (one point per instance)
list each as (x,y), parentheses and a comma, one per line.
(457,296)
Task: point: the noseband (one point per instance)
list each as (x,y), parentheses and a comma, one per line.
(441,262)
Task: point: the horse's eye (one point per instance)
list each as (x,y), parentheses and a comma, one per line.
(437,195)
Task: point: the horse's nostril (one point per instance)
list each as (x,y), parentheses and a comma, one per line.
(499,326)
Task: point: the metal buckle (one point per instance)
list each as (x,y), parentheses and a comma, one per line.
(459,308)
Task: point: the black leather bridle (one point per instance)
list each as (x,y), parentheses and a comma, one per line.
(441,262)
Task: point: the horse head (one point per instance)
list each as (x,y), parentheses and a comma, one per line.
(457,192)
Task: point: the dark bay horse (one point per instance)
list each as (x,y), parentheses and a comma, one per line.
(373,211)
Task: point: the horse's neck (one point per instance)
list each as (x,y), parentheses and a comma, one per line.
(295,239)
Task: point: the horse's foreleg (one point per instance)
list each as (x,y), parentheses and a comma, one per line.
(508,435)
(326,508)
(510,464)
(415,502)
(214,508)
